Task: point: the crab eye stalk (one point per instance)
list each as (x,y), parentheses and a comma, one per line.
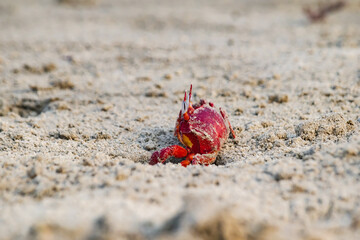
(190,93)
(185,106)
(184,109)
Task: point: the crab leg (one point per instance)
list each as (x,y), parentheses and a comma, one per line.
(224,115)
(205,159)
(171,151)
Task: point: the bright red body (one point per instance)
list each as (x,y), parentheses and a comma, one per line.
(202,129)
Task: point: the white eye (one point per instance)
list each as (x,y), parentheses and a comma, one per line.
(185,104)
(184,107)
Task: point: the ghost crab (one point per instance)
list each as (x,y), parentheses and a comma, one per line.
(202,129)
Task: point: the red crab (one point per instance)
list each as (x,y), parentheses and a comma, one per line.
(202,129)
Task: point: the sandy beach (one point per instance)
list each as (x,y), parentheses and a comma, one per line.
(89,89)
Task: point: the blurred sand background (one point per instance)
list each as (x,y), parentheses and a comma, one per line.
(89,89)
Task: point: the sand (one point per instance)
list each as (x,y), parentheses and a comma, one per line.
(89,89)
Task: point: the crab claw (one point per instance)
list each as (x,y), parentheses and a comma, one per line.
(165,153)
(188,160)
(185,163)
